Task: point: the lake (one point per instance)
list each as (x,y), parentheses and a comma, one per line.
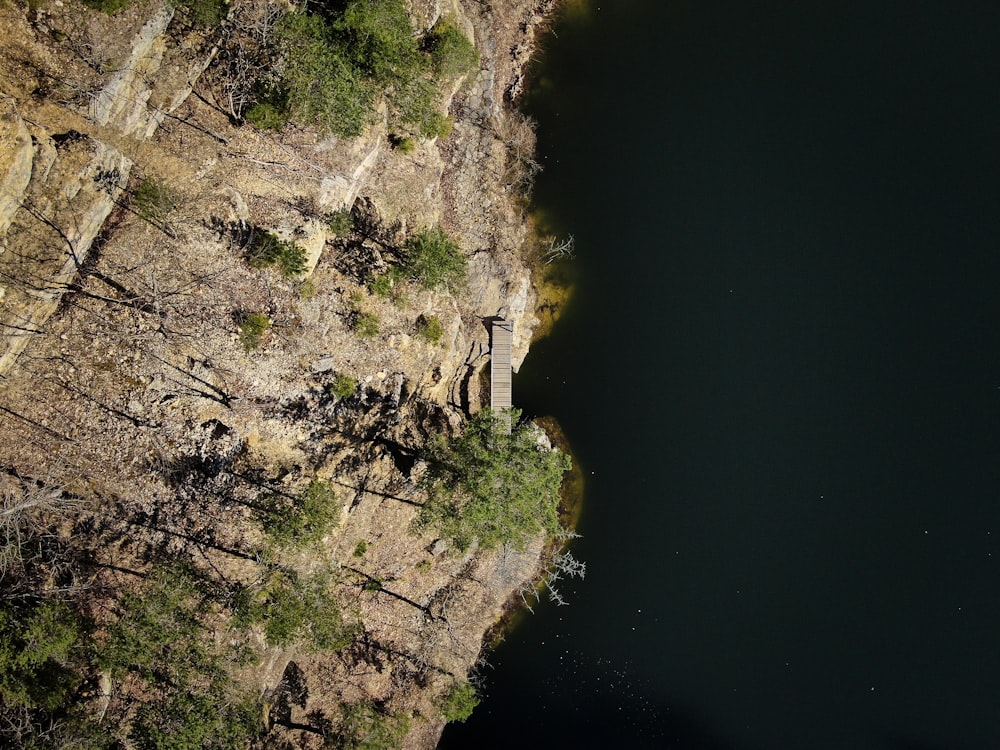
(780,373)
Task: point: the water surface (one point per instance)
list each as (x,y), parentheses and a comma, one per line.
(781,374)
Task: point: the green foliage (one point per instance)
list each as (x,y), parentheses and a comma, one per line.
(253,328)
(388,285)
(340,222)
(267,250)
(40,644)
(367,325)
(429,328)
(488,485)
(334,65)
(324,85)
(416,104)
(190,701)
(459,702)
(303,519)
(157,634)
(296,608)
(381,285)
(356,300)
(152,199)
(360,548)
(206,13)
(108,6)
(364,727)
(308,289)
(344,386)
(381,41)
(195,718)
(436,125)
(435,260)
(404,145)
(452,54)
(267,115)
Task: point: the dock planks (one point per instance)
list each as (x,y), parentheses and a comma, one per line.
(500,369)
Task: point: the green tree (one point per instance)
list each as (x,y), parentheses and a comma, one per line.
(40,653)
(157,633)
(364,727)
(321,85)
(459,702)
(492,486)
(294,608)
(380,40)
(303,519)
(267,250)
(435,260)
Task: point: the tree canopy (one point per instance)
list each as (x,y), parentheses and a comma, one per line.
(335,64)
(491,486)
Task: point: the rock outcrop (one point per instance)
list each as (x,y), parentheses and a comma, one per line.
(126,203)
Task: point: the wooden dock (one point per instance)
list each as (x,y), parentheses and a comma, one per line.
(500,369)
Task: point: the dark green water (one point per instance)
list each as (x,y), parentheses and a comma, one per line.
(781,374)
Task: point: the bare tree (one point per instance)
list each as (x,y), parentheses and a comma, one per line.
(560,249)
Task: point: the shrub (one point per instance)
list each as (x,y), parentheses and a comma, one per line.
(266,250)
(452,54)
(301,520)
(293,608)
(344,386)
(366,325)
(459,702)
(436,125)
(206,13)
(416,102)
(364,727)
(360,548)
(435,260)
(335,64)
(307,289)
(152,199)
(197,718)
(381,41)
(108,6)
(341,221)
(388,285)
(266,115)
(404,145)
(324,86)
(381,285)
(429,328)
(356,300)
(253,328)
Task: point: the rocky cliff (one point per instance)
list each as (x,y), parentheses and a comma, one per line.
(125,383)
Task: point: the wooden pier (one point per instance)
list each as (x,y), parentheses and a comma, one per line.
(500,369)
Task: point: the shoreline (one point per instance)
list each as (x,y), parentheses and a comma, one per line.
(184,424)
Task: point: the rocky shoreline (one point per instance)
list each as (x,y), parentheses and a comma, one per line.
(124,382)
